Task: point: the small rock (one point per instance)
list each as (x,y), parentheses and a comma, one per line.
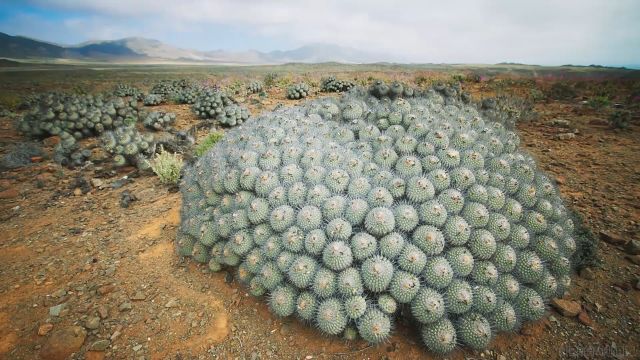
(55,310)
(565,136)
(611,238)
(10,193)
(554,320)
(44,329)
(567,308)
(255,356)
(637,285)
(126,198)
(137,348)
(77,191)
(100,345)
(633,247)
(502,357)
(585,319)
(92,323)
(633,258)
(560,123)
(97,183)
(125,306)
(103,312)
(104,290)
(171,304)
(64,342)
(138,296)
(115,335)
(587,273)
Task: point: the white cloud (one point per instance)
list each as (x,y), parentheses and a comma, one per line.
(543,31)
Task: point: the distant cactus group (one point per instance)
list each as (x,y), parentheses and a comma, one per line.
(215,104)
(332,84)
(342,212)
(297,91)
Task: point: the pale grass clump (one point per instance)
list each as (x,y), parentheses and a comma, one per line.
(167,166)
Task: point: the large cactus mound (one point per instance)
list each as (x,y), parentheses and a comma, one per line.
(351,213)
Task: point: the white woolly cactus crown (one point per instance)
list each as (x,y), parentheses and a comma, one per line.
(344,211)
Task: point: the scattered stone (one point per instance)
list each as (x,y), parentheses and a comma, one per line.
(10,193)
(126,198)
(633,247)
(171,304)
(92,323)
(611,238)
(567,308)
(55,310)
(585,319)
(59,293)
(137,348)
(100,345)
(103,312)
(565,136)
(633,258)
(97,183)
(104,290)
(77,192)
(115,335)
(44,329)
(560,123)
(62,343)
(587,273)
(138,296)
(554,320)
(125,306)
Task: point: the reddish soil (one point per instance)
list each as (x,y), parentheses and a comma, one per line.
(60,246)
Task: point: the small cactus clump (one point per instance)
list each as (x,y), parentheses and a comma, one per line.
(254,87)
(78,115)
(128,146)
(159,120)
(124,90)
(331,84)
(153,99)
(297,91)
(215,104)
(346,212)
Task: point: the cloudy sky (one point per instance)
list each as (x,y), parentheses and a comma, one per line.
(548,32)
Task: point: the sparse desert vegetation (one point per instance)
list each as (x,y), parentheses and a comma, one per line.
(373,211)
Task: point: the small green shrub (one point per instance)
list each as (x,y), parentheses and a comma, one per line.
(207,143)
(270,79)
(599,102)
(167,166)
(620,120)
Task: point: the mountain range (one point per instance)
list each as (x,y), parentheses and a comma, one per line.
(141,50)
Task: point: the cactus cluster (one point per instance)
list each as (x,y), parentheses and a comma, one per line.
(254,87)
(159,120)
(507,110)
(396,89)
(124,90)
(331,84)
(128,146)
(153,99)
(77,115)
(188,95)
(215,104)
(342,212)
(297,91)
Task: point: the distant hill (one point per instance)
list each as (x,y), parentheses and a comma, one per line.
(148,50)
